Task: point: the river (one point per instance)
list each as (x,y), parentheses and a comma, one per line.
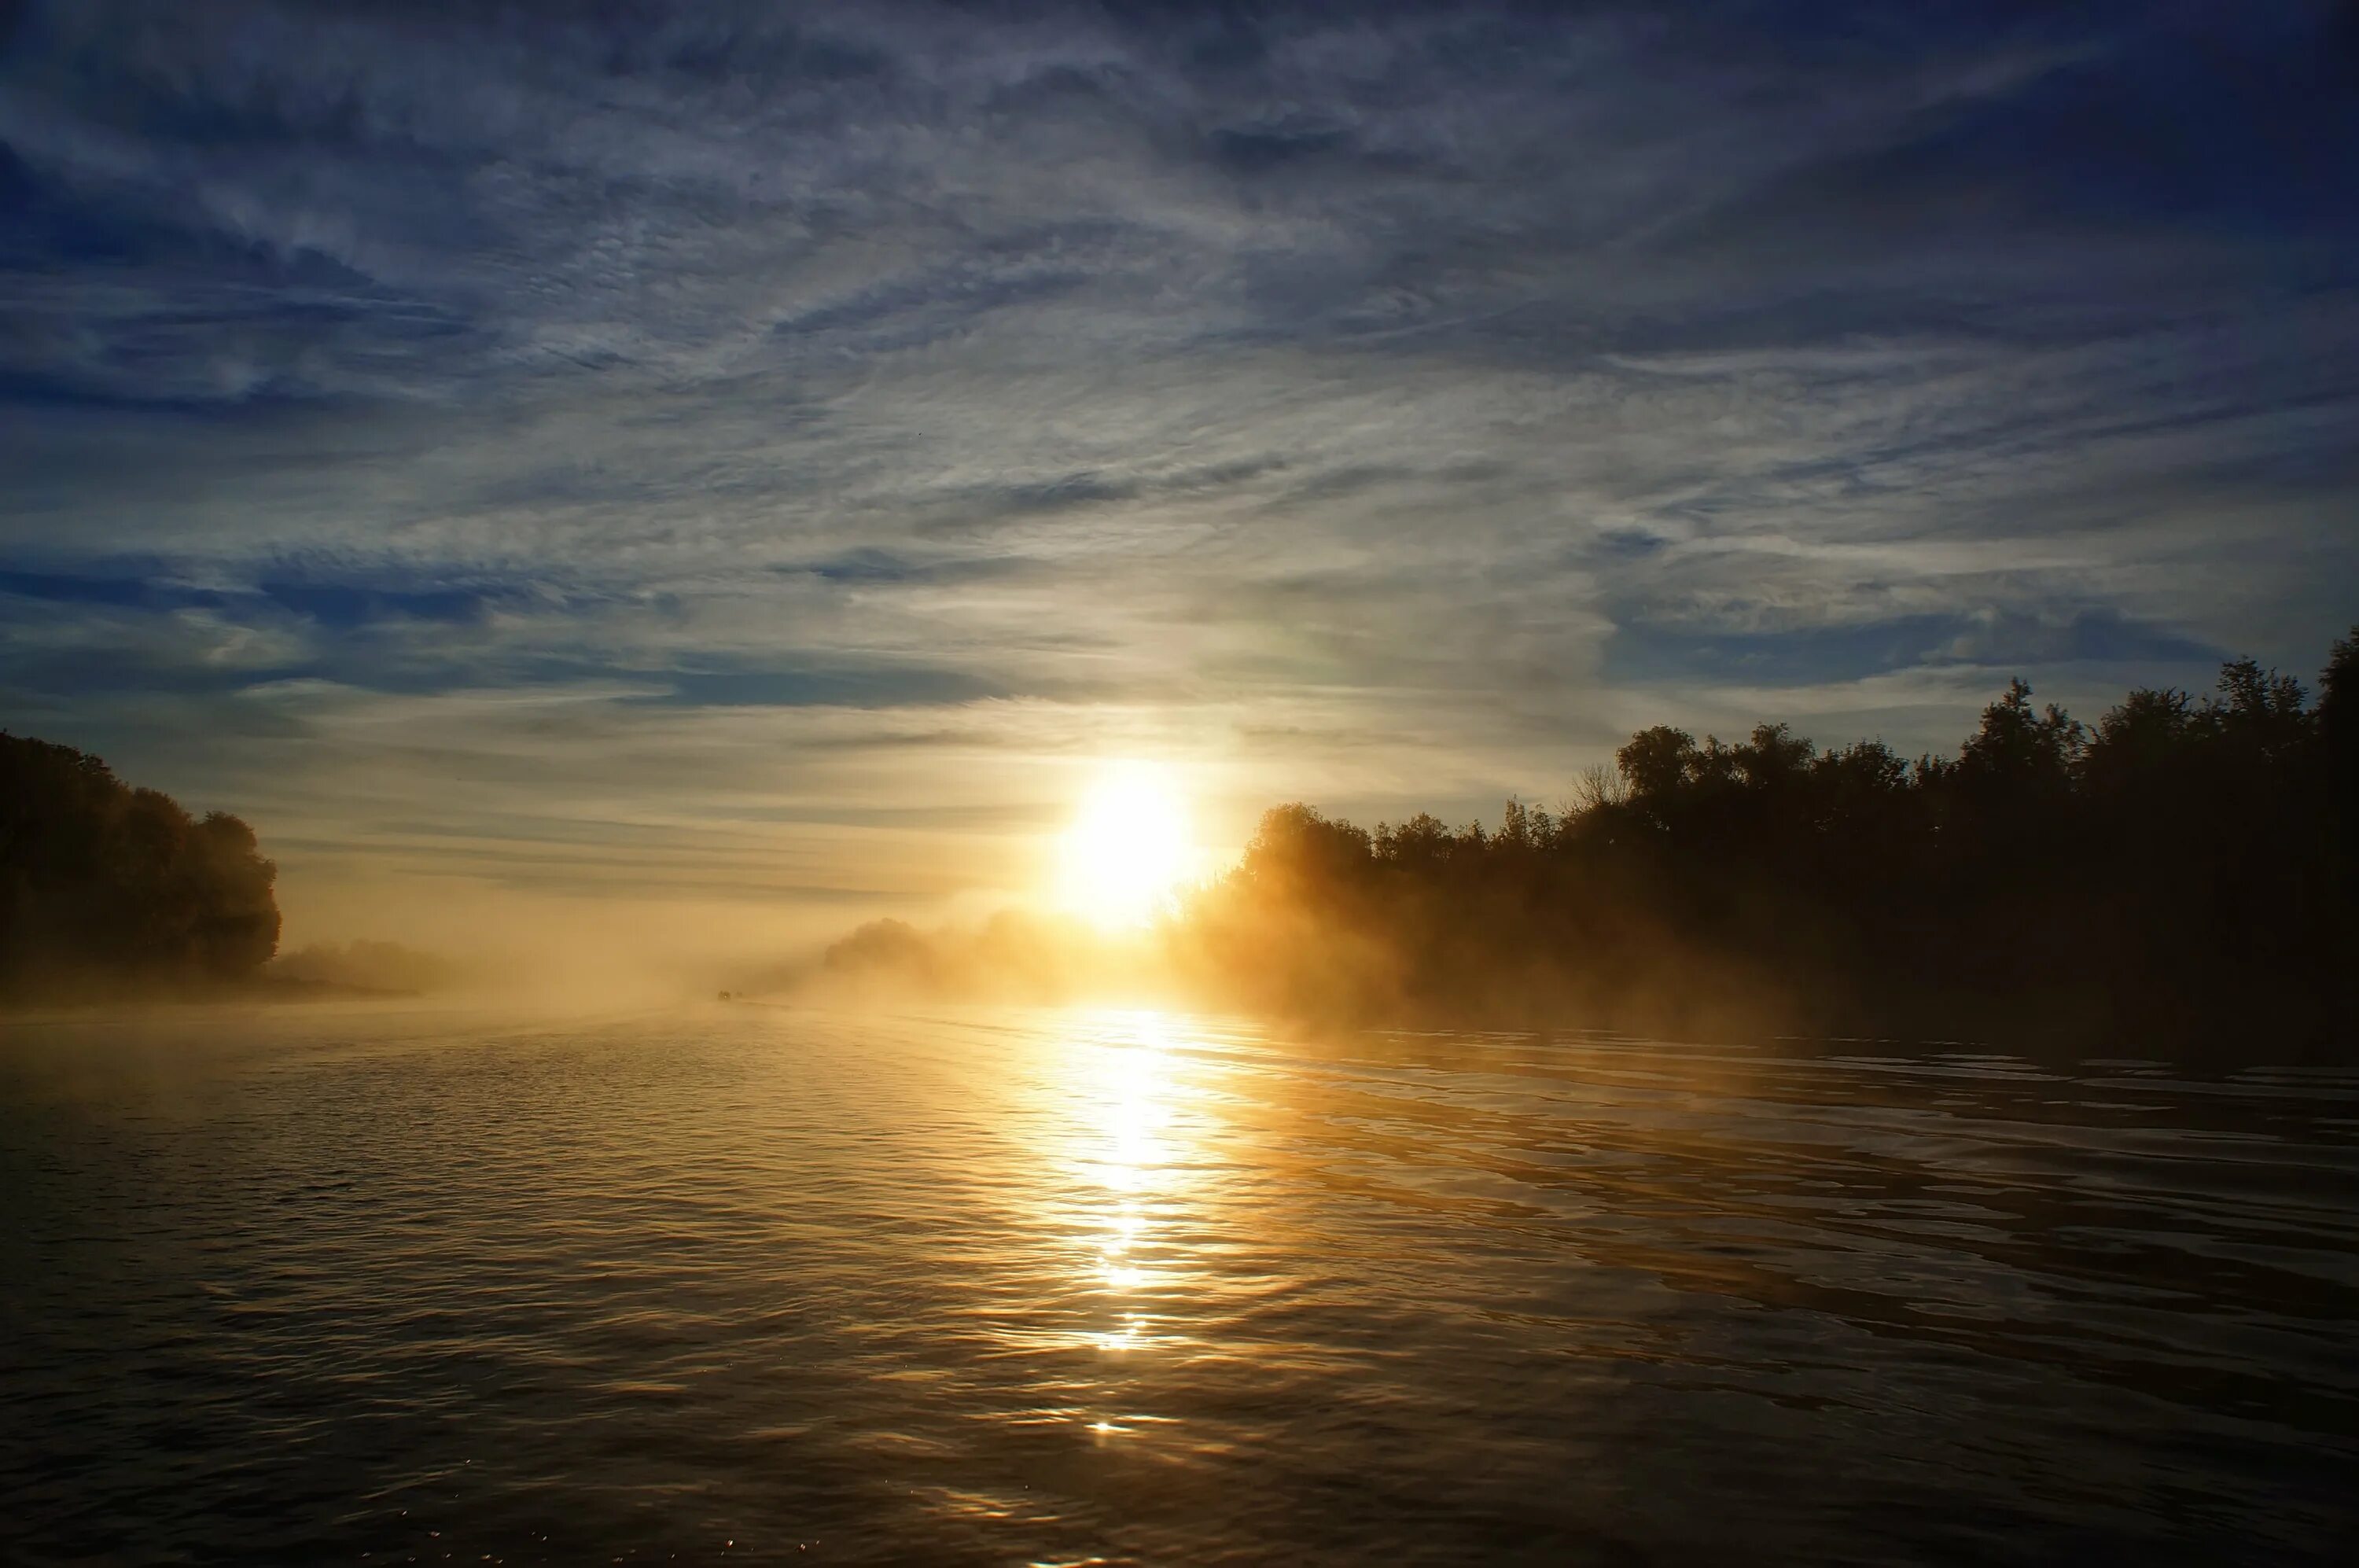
(748,1284)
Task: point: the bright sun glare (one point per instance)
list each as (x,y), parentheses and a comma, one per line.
(1128,849)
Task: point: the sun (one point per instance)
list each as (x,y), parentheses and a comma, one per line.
(1128,849)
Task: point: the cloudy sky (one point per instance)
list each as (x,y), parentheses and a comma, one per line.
(754,458)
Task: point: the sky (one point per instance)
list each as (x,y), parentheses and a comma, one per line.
(737,468)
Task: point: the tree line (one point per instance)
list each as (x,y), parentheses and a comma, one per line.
(2185,866)
(100,882)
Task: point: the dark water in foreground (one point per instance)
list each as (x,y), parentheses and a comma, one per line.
(749,1285)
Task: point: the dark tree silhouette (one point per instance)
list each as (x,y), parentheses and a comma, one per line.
(2185,868)
(99,880)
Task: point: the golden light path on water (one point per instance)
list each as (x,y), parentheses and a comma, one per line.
(1126,1063)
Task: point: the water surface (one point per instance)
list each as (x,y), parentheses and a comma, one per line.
(748,1284)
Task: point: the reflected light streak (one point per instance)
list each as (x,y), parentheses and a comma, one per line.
(1124,1072)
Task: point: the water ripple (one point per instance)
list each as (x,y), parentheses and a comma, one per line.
(758,1285)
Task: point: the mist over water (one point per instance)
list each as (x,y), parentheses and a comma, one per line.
(758,1284)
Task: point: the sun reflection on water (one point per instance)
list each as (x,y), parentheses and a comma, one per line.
(1126,1137)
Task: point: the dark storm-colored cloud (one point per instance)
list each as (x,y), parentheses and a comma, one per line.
(1402,369)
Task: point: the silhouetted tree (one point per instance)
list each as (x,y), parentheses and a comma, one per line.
(2338,746)
(2182,867)
(98,880)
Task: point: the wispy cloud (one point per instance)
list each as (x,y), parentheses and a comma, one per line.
(525,427)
